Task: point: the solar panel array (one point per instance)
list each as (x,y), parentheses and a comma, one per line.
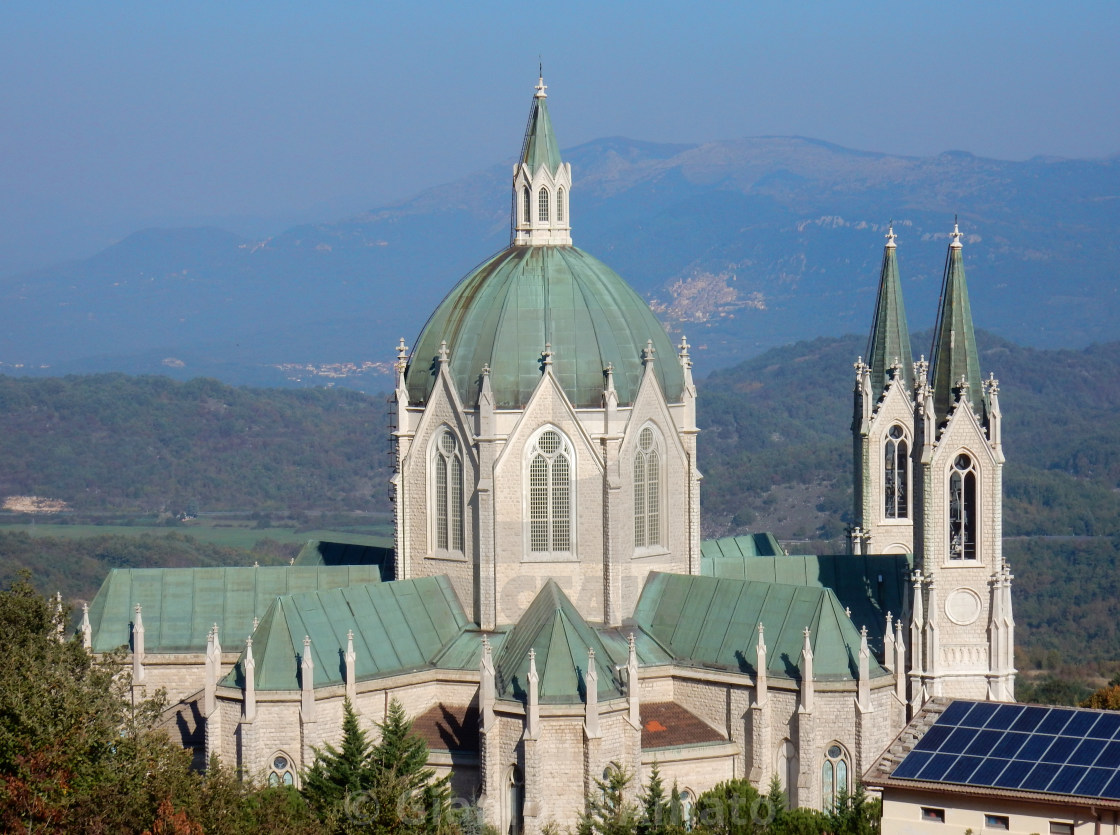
(1059,750)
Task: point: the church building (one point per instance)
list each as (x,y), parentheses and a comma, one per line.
(549,611)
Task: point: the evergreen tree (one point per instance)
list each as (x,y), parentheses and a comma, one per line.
(654,805)
(607,812)
(855,813)
(340,773)
(405,793)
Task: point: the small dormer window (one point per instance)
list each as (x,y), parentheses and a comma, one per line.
(526,205)
(542,205)
(560,205)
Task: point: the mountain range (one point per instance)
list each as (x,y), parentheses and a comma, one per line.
(741,245)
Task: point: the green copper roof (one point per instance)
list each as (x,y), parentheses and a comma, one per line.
(398,626)
(505,312)
(552,626)
(744,545)
(890,338)
(954,341)
(713,622)
(540,147)
(870,585)
(350,550)
(179,605)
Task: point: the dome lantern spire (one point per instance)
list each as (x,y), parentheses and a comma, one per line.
(541,182)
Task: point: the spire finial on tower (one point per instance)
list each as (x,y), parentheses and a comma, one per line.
(541,86)
(955,235)
(891,235)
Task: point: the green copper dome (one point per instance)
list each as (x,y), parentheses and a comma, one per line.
(506,311)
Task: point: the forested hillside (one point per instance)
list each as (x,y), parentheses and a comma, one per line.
(109,442)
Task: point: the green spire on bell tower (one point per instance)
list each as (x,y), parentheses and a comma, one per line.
(889,343)
(954,356)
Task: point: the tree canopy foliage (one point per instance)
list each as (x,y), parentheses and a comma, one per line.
(76,756)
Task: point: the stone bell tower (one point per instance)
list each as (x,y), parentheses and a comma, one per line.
(962,631)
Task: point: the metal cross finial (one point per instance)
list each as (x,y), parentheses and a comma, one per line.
(891,235)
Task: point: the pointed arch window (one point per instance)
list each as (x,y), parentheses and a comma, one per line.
(281,771)
(514,806)
(786,766)
(560,204)
(447,493)
(896,474)
(551,474)
(647,490)
(834,776)
(962,508)
(526,205)
(542,205)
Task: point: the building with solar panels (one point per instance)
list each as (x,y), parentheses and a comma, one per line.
(988,767)
(548,611)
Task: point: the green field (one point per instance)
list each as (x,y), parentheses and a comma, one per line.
(230,536)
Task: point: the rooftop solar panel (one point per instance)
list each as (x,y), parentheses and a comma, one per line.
(1033,748)
(1009,744)
(1030,717)
(962,769)
(1013,775)
(1060,750)
(910,767)
(1003,717)
(1080,724)
(1055,722)
(988,771)
(1066,780)
(1086,752)
(979,715)
(937,766)
(1110,755)
(983,743)
(1094,780)
(958,740)
(954,713)
(1112,790)
(1039,778)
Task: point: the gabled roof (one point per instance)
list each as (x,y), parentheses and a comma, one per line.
(744,545)
(179,605)
(713,622)
(954,341)
(890,337)
(540,146)
(1024,752)
(399,626)
(353,550)
(870,585)
(561,638)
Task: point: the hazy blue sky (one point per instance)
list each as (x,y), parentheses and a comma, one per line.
(255,115)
